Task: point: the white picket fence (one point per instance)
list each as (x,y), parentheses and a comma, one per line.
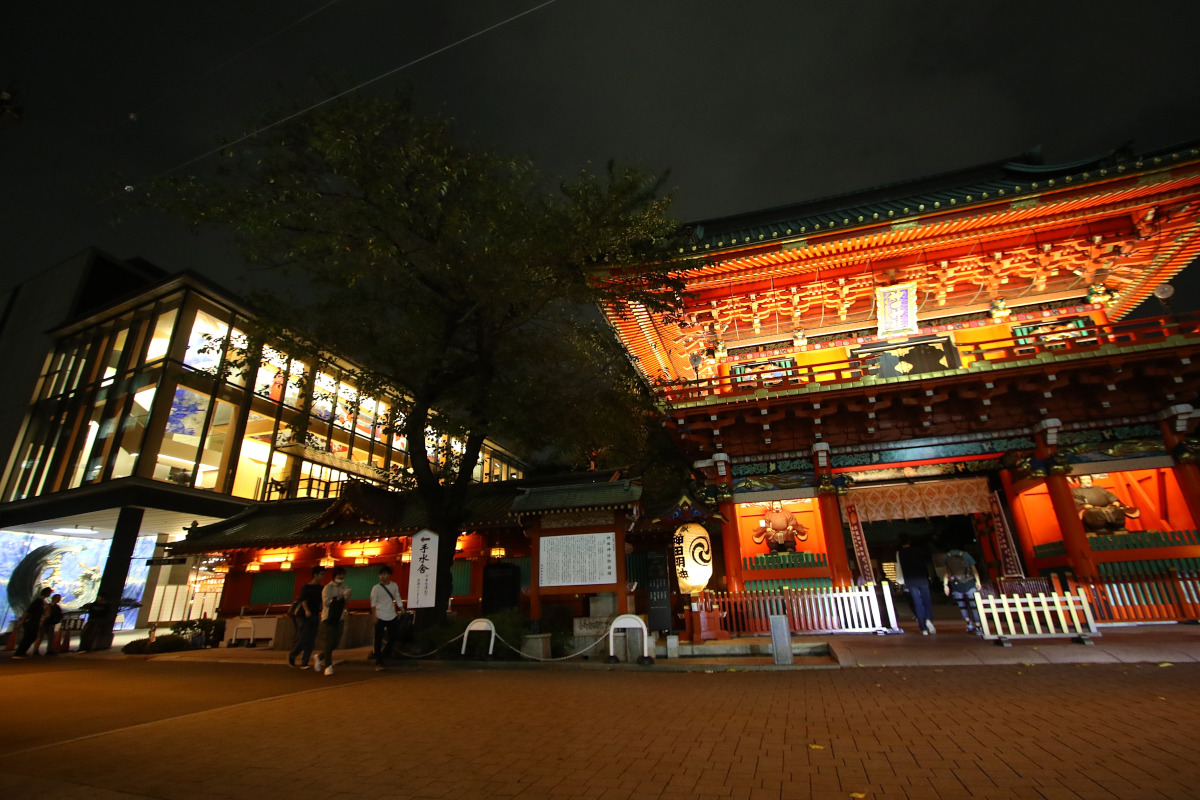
(1030,616)
(850,609)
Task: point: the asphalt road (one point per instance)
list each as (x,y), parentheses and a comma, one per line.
(113,729)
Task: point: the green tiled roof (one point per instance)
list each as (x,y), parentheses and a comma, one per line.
(1011,179)
(615,494)
(365,512)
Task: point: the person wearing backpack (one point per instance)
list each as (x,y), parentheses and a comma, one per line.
(333,611)
(306,612)
(961,582)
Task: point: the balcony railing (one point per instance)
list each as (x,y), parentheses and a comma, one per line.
(1089,341)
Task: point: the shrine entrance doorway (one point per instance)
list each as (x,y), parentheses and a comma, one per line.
(953,513)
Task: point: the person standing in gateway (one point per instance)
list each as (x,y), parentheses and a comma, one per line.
(333,611)
(309,615)
(912,573)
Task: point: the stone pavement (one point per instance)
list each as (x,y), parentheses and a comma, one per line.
(117,728)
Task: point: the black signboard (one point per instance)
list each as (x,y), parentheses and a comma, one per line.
(658,587)
(166,561)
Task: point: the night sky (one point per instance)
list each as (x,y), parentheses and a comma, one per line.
(750,104)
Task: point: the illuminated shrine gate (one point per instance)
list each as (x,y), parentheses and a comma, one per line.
(976,323)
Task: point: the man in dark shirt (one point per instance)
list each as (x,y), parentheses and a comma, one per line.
(912,573)
(32,623)
(309,614)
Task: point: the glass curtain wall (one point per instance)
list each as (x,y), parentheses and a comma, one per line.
(156,392)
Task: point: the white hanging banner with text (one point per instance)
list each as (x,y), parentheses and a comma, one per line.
(422,572)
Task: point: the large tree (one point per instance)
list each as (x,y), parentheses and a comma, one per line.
(459,275)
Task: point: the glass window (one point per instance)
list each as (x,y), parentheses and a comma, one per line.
(253,456)
(235,353)
(160,341)
(181,442)
(213,457)
(132,431)
(206,343)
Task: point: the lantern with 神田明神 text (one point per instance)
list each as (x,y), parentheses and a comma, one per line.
(692,551)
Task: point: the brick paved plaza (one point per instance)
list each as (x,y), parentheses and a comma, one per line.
(111,728)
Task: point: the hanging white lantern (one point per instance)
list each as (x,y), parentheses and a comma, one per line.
(692,551)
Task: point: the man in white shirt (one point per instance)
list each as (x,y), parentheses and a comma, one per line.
(387,606)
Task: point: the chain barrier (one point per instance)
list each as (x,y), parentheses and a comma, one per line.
(591,646)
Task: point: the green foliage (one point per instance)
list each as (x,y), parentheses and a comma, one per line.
(464,277)
(190,627)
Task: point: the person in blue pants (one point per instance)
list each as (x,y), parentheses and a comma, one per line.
(912,574)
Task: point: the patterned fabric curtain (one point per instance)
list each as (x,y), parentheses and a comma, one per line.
(918,500)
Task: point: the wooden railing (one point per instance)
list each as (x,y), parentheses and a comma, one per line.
(1091,341)
(1138,540)
(1030,616)
(1165,598)
(852,609)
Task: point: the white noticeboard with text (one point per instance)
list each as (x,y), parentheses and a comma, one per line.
(581,559)
(422,574)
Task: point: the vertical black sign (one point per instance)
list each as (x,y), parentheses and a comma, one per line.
(659,591)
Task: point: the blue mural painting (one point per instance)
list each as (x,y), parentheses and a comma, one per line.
(71,566)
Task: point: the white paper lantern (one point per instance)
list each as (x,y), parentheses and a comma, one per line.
(692,551)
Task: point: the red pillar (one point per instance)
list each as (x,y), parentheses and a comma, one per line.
(1187,473)
(731,547)
(1079,552)
(831,518)
(835,540)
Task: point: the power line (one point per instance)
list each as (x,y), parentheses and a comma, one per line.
(353,89)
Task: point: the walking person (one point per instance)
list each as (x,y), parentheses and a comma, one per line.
(912,573)
(31,624)
(308,618)
(333,610)
(387,606)
(961,582)
(52,615)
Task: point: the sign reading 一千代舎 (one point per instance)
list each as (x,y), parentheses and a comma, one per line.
(422,573)
(581,559)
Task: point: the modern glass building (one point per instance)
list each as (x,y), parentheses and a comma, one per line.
(145,419)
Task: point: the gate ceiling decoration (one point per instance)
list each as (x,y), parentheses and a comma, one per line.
(918,500)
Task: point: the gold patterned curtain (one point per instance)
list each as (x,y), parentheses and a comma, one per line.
(918,500)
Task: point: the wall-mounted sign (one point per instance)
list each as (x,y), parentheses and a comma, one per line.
(579,559)
(422,573)
(896,309)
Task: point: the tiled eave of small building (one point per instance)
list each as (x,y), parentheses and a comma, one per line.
(586,497)
(367,513)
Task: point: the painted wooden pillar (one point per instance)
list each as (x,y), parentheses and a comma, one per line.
(1174,422)
(535,598)
(831,518)
(731,546)
(1079,551)
(621,526)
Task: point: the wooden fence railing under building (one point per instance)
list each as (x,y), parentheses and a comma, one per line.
(1164,598)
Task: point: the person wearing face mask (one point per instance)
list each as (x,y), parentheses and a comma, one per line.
(333,611)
